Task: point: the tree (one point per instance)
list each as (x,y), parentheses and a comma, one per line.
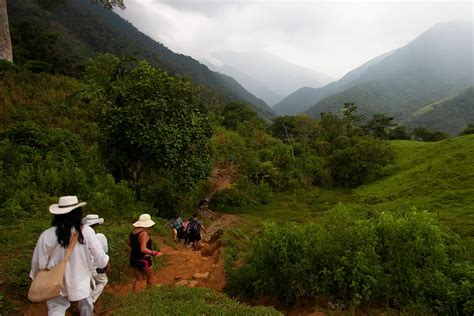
(380,125)
(468,130)
(150,122)
(427,135)
(399,132)
(6,52)
(350,119)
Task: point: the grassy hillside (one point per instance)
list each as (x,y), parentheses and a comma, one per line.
(436,177)
(449,115)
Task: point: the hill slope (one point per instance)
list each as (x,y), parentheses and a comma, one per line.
(449,115)
(84,30)
(252,85)
(437,177)
(436,64)
(280,76)
(302,99)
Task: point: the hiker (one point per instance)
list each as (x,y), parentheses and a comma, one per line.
(99,277)
(142,252)
(50,250)
(193,229)
(177,227)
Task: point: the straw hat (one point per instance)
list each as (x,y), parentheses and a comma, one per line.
(93,219)
(144,221)
(65,205)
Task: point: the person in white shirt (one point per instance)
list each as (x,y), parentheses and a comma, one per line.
(50,250)
(100,278)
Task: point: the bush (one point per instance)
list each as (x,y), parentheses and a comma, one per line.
(403,259)
(359,160)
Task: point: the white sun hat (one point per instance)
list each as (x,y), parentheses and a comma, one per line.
(93,219)
(144,221)
(66,204)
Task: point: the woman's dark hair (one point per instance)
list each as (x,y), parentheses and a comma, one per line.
(64,223)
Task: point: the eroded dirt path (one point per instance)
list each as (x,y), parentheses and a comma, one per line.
(183,266)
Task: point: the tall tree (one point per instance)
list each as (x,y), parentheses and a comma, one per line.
(6,52)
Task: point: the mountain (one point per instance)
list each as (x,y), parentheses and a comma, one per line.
(450,114)
(436,64)
(302,99)
(253,86)
(80,30)
(278,75)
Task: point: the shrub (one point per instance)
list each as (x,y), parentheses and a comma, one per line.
(403,259)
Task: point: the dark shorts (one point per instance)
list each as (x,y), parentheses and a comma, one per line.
(141,263)
(194,237)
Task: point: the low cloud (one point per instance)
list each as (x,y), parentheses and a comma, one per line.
(330,37)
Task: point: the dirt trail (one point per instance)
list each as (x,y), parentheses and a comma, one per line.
(181,263)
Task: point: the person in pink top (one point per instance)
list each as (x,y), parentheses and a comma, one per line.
(50,250)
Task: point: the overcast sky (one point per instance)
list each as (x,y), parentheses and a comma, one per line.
(332,37)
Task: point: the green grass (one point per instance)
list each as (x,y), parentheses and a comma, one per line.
(170,300)
(437,177)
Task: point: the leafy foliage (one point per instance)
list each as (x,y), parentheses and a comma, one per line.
(400,258)
(77,30)
(151,122)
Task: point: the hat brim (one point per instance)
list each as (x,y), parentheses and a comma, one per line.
(144,224)
(55,209)
(94,221)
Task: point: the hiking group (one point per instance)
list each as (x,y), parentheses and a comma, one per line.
(189,231)
(72,241)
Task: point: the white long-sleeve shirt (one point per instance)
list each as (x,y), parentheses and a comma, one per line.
(79,268)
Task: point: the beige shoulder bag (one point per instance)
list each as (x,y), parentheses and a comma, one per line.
(47,283)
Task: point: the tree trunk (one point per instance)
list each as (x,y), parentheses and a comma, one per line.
(5,41)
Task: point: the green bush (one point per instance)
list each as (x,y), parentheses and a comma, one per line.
(401,259)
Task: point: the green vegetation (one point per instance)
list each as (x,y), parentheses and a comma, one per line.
(326,205)
(169,300)
(400,260)
(388,85)
(58,38)
(449,115)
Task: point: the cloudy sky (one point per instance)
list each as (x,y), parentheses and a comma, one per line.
(332,37)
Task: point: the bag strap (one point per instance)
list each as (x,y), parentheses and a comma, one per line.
(70,248)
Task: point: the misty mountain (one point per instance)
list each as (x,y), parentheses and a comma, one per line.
(276,74)
(250,84)
(450,114)
(303,98)
(85,30)
(437,64)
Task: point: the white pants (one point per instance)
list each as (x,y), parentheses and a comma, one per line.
(57,306)
(100,281)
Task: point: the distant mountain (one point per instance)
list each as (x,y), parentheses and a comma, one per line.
(302,99)
(437,64)
(450,115)
(86,30)
(250,84)
(276,74)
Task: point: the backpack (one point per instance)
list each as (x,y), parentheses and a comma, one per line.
(193,227)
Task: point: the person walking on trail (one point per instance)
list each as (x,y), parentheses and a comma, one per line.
(177,227)
(99,277)
(193,229)
(50,250)
(142,252)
